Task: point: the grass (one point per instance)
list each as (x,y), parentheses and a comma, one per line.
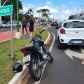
(6,72)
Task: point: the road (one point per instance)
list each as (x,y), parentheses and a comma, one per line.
(6,29)
(9,29)
(64,69)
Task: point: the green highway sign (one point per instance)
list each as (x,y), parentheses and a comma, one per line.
(6,10)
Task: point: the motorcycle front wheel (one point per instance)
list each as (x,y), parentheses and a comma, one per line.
(35,70)
(51,58)
(49,54)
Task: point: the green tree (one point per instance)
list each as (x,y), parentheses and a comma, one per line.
(39,11)
(72,17)
(44,12)
(13,2)
(29,12)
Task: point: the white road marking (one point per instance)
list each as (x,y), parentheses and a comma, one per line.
(71,53)
(82,50)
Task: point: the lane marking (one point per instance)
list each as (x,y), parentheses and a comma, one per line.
(72,54)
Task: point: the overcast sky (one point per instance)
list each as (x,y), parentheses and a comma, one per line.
(58,8)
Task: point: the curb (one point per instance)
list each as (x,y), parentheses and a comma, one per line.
(19,76)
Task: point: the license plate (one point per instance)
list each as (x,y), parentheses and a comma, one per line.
(26,58)
(77,41)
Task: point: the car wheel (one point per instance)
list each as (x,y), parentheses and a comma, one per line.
(59,44)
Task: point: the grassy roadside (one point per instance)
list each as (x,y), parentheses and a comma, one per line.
(6,73)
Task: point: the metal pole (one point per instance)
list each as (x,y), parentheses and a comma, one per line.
(17,17)
(12,44)
(0,16)
(39,22)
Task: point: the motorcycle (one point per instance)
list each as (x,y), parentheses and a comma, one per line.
(35,56)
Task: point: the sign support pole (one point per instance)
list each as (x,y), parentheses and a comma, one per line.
(12,42)
(7,10)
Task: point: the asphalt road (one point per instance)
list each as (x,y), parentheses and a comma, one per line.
(9,29)
(63,70)
(6,29)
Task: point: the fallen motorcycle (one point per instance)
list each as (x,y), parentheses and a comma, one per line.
(35,56)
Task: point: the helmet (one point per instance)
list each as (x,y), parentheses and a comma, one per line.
(17,67)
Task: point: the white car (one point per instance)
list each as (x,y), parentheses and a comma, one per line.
(3,25)
(71,32)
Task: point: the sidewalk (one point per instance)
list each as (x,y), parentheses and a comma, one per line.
(4,36)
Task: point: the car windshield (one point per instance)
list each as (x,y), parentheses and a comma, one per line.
(74,25)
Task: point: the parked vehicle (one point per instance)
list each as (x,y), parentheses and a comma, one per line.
(14,24)
(44,23)
(54,24)
(71,32)
(35,57)
(8,24)
(3,25)
(36,24)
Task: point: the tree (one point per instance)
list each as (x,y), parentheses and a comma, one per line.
(13,2)
(39,11)
(72,17)
(28,13)
(45,12)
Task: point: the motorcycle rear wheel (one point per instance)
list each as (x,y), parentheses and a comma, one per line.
(35,70)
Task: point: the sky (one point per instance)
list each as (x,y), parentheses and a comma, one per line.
(59,9)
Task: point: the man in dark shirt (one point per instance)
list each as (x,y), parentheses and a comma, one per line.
(31,25)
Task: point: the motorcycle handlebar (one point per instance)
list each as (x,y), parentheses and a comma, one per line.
(42,30)
(38,35)
(30,41)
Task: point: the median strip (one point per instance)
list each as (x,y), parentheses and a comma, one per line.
(18,78)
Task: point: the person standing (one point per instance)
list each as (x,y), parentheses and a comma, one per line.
(24,25)
(31,25)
